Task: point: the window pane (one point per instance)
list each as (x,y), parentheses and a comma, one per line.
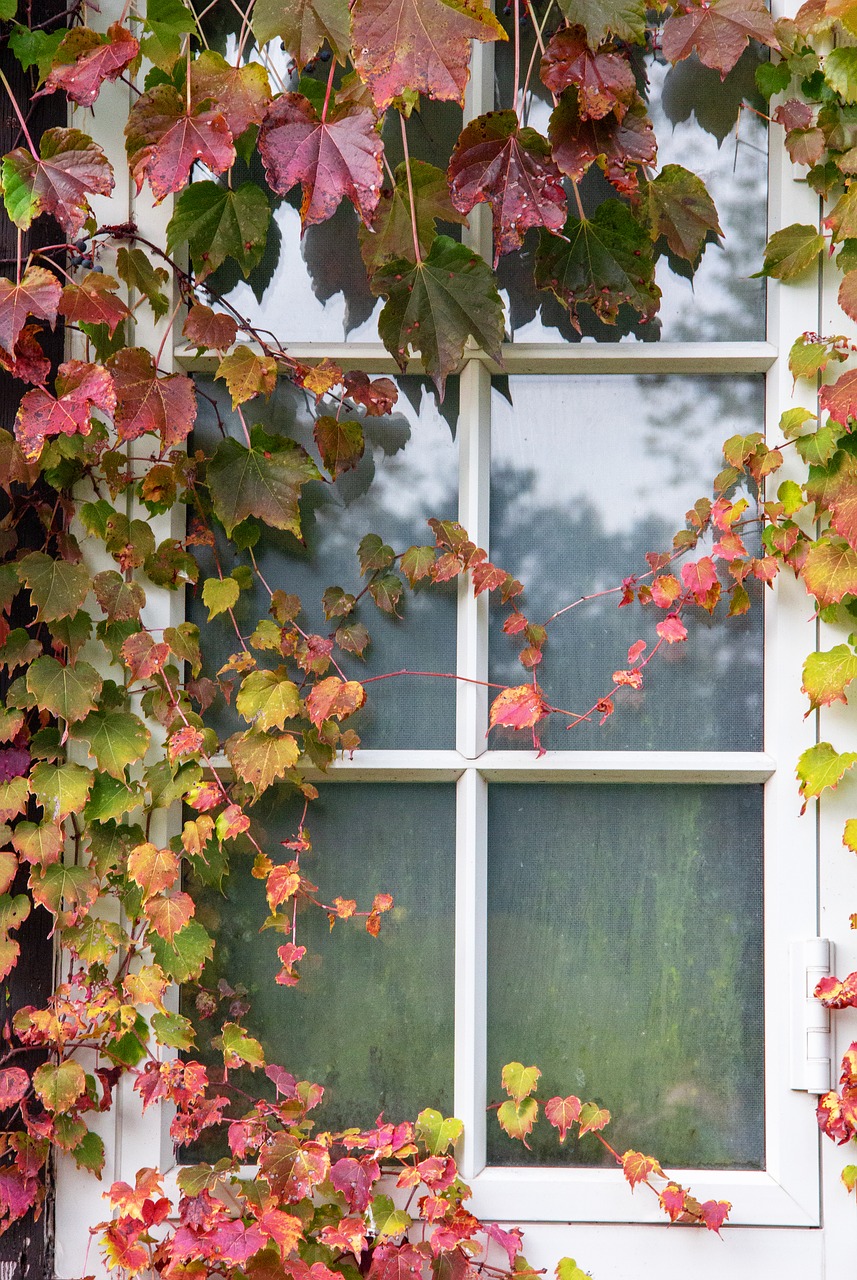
(371,1018)
(694,118)
(588,474)
(408,473)
(624,954)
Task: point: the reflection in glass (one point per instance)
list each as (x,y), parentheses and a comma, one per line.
(407,474)
(699,122)
(371,1019)
(624,948)
(588,474)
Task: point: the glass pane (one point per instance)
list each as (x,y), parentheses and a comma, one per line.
(588,474)
(371,1018)
(624,954)
(407,474)
(694,118)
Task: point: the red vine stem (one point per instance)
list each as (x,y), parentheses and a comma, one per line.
(417,253)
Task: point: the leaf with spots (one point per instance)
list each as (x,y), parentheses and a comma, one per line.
(163,140)
(163,404)
(264,481)
(304,25)
(69,692)
(680,209)
(521,707)
(38,294)
(334,698)
(620,147)
(86,59)
(57,587)
(601,19)
(94,301)
(240,94)
(604,79)
(70,168)
(718,31)
(391,233)
(218,224)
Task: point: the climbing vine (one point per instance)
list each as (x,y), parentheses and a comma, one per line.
(104,721)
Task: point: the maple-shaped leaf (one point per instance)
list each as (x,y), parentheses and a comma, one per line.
(822,766)
(605,260)
(59,1087)
(116,739)
(70,168)
(263,481)
(340,443)
(562,1113)
(163,140)
(82,387)
(169,915)
(37,294)
(334,698)
(164,404)
(66,891)
(69,692)
(86,59)
(638,1167)
(680,209)
(57,587)
(28,362)
(218,223)
(391,233)
(518,708)
(517,1118)
(13,912)
(714,1213)
(423,46)
(435,305)
(625,19)
(153,869)
(791,251)
(672,629)
(604,79)
(267,699)
(303,26)
(619,146)
(260,758)
(94,301)
(61,789)
(331,158)
(247,374)
(840,398)
(182,959)
(718,31)
(830,570)
(240,94)
(240,1047)
(207,328)
(509,167)
(592,1117)
(14,1083)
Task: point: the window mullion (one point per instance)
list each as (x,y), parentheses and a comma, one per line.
(472,640)
(471,1019)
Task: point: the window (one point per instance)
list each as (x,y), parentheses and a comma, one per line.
(589,932)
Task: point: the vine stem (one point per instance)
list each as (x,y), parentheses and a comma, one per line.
(517,20)
(577,199)
(21,121)
(417,253)
(328,91)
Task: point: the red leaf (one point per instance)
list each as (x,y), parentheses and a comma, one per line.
(290,955)
(28,361)
(562,1113)
(241,94)
(518,708)
(94,301)
(207,328)
(719,31)
(840,399)
(377,397)
(334,698)
(85,59)
(511,169)
(38,295)
(82,387)
(14,1083)
(164,140)
(71,167)
(144,657)
(508,1240)
(355,1179)
(672,629)
(147,401)
(338,157)
(672,1199)
(620,146)
(636,649)
(714,1213)
(605,80)
(699,577)
(638,1167)
(632,679)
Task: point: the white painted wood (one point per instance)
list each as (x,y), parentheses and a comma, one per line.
(471,870)
(474,444)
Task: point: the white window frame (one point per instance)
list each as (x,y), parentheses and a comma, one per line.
(790,1193)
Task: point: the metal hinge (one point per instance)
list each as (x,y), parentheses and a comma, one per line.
(811,1036)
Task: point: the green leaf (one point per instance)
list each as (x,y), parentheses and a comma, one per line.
(436,305)
(166,22)
(389,1221)
(821,767)
(811,355)
(772,77)
(238,1045)
(417,563)
(66,891)
(69,692)
(840,72)
(791,251)
(95,941)
(111,798)
(183,959)
(625,19)
(13,798)
(89,1153)
(36,48)
(680,209)
(520,1081)
(217,224)
(8,9)
(517,1118)
(264,481)
(61,789)
(261,758)
(174,1031)
(120,600)
(40,843)
(267,699)
(116,739)
(387,591)
(19,649)
(219,594)
(391,235)
(71,633)
(56,587)
(135,269)
(303,26)
(602,261)
(59,1087)
(437,1134)
(827,675)
(13,912)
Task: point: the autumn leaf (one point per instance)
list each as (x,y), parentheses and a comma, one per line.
(791,251)
(169,915)
(260,758)
(340,442)
(86,59)
(620,146)
(14,1083)
(404,47)
(13,912)
(303,26)
(59,1087)
(562,1113)
(164,404)
(183,959)
(70,168)
(434,306)
(57,587)
(238,1047)
(218,224)
(681,210)
(518,708)
(592,1117)
(247,374)
(241,94)
(264,481)
(207,328)
(718,31)
(604,79)
(840,398)
(672,629)
(391,233)
(267,699)
(94,301)
(638,1167)
(519,1081)
(517,1118)
(163,140)
(38,294)
(625,19)
(332,158)
(830,570)
(510,168)
(69,692)
(82,388)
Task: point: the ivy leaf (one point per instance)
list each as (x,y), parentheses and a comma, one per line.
(827,675)
(517,1118)
(604,79)
(207,328)
(638,1167)
(811,355)
(86,59)
(436,1133)
(67,892)
(303,26)
(183,959)
(718,31)
(219,594)
(403,47)
(134,267)
(518,708)
(840,399)
(116,739)
(791,251)
(59,1087)
(13,798)
(340,443)
(150,402)
(81,388)
(70,168)
(264,481)
(13,912)
(567,1269)
(593,1117)
(840,72)
(164,140)
(38,843)
(260,758)
(520,1081)
(561,1113)
(14,1083)
(240,1047)
(240,94)
(69,692)
(94,301)
(38,294)
(332,158)
(217,224)
(418,563)
(830,570)
(388,1220)
(604,261)
(391,233)
(247,374)
(842,219)
(619,146)
(511,169)
(61,789)
(680,209)
(120,600)
(334,698)
(625,19)
(267,699)
(822,767)
(57,588)
(169,915)
(436,305)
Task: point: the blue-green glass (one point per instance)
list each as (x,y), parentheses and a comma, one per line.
(587,475)
(408,473)
(625,960)
(371,1018)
